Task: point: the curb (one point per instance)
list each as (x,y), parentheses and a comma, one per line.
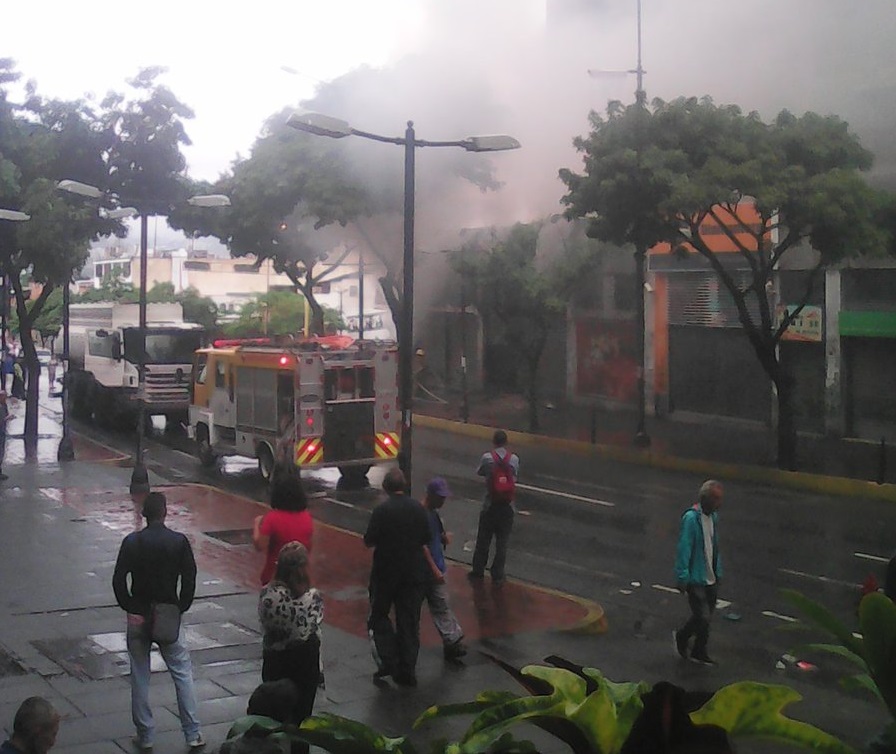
(828,485)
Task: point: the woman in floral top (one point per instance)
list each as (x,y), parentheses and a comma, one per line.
(291,613)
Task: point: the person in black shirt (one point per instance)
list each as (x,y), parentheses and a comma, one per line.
(156,559)
(398,530)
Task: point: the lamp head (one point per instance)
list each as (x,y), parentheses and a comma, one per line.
(81,189)
(319,125)
(497,143)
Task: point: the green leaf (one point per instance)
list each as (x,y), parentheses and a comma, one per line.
(484,700)
(877,620)
(341,735)
(824,619)
(748,709)
(861,682)
(257,724)
(840,651)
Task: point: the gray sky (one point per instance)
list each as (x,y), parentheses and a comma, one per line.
(226,61)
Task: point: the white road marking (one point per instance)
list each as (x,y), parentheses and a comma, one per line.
(787,618)
(342,503)
(814,577)
(875,558)
(567,495)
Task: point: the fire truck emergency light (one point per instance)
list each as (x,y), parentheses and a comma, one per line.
(284,360)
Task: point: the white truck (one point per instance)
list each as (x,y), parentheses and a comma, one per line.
(104,358)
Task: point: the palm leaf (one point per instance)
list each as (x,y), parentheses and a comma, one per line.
(824,619)
(340,735)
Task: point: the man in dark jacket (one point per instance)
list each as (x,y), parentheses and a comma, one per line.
(398,530)
(156,558)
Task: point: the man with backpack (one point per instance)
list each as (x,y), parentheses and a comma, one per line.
(501,469)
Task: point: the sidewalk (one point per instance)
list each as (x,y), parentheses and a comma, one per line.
(725,447)
(62,636)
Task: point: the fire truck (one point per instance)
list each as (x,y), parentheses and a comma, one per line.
(315,403)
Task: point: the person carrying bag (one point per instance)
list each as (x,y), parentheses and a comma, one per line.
(157,560)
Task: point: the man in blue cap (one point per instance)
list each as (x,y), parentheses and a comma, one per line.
(443,617)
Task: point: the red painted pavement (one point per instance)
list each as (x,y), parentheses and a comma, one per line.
(340,564)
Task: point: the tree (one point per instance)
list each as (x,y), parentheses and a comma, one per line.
(519,296)
(40,142)
(48,322)
(678,172)
(277,313)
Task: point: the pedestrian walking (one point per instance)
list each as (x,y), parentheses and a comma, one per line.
(289,520)
(436,594)
(399,532)
(18,379)
(138,490)
(51,374)
(698,570)
(5,419)
(34,728)
(501,470)
(291,611)
(156,559)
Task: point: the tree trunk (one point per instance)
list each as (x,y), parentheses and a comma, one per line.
(785,385)
(317,317)
(32,395)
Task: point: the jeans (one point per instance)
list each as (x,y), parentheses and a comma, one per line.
(442,615)
(396,647)
(177,658)
(702,601)
(495,520)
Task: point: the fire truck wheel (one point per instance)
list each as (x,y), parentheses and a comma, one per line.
(265,461)
(353,477)
(204,447)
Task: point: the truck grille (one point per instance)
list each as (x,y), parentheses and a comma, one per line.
(168,387)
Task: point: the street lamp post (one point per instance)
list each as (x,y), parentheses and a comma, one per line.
(324,125)
(641,439)
(360,295)
(66,449)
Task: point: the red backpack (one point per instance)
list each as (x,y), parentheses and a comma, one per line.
(501,484)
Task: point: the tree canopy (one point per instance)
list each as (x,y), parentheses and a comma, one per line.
(682,172)
(520,296)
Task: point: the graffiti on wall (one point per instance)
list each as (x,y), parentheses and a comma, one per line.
(606,359)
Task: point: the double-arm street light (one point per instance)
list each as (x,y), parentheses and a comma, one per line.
(324,125)
(83,189)
(12,215)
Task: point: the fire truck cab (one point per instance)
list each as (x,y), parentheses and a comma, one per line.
(312,403)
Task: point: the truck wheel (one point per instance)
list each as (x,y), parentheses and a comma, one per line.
(265,461)
(353,477)
(204,447)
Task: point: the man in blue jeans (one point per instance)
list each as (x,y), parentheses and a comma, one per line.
(156,558)
(496,516)
(698,570)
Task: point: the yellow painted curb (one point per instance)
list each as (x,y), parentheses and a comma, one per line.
(827,485)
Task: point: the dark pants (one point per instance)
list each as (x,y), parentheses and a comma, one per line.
(300,663)
(396,647)
(495,520)
(702,601)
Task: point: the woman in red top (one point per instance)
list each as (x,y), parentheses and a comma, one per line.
(288,521)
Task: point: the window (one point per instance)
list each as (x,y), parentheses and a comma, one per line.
(192,264)
(249,269)
(101,345)
(201,369)
(220,374)
(353,291)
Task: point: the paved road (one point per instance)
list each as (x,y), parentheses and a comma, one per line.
(606,531)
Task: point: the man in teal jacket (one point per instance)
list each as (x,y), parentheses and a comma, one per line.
(698,569)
